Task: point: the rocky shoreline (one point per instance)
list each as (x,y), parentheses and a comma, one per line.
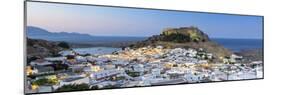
(251,54)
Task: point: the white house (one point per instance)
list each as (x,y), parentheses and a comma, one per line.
(45,89)
(175,73)
(120,62)
(202,62)
(156,72)
(55,58)
(108,66)
(138,67)
(43,69)
(190,77)
(65,53)
(91,68)
(159,47)
(81,58)
(40,63)
(105,83)
(75,80)
(105,73)
(191,53)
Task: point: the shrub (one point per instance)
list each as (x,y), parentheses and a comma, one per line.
(45,81)
(73,87)
(64,45)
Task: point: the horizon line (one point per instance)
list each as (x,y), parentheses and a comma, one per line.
(131,36)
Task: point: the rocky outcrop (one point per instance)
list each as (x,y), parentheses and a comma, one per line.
(251,54)
(184,34)
(42,48)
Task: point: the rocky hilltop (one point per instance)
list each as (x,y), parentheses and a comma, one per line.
(183,34)
(42,48)
(185,37)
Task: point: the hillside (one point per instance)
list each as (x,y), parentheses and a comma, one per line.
(42,48)
(79,38)
(185,37)
(40,33)
(252,54)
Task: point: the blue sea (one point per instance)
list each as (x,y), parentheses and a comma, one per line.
(240,44)
(96,50)
(235,45)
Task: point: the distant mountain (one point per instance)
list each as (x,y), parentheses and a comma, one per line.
(185,37)
(35,31)
(39,33)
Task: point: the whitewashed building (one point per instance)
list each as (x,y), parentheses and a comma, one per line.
(105,73)
(75,80)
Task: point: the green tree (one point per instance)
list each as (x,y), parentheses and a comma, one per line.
(64,45)
(73,87)
(133,74)
(178,38)
(194,37)
(45,81)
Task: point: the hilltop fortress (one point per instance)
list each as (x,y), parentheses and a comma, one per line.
(185,37)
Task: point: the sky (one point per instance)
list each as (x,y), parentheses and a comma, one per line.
(115,21)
